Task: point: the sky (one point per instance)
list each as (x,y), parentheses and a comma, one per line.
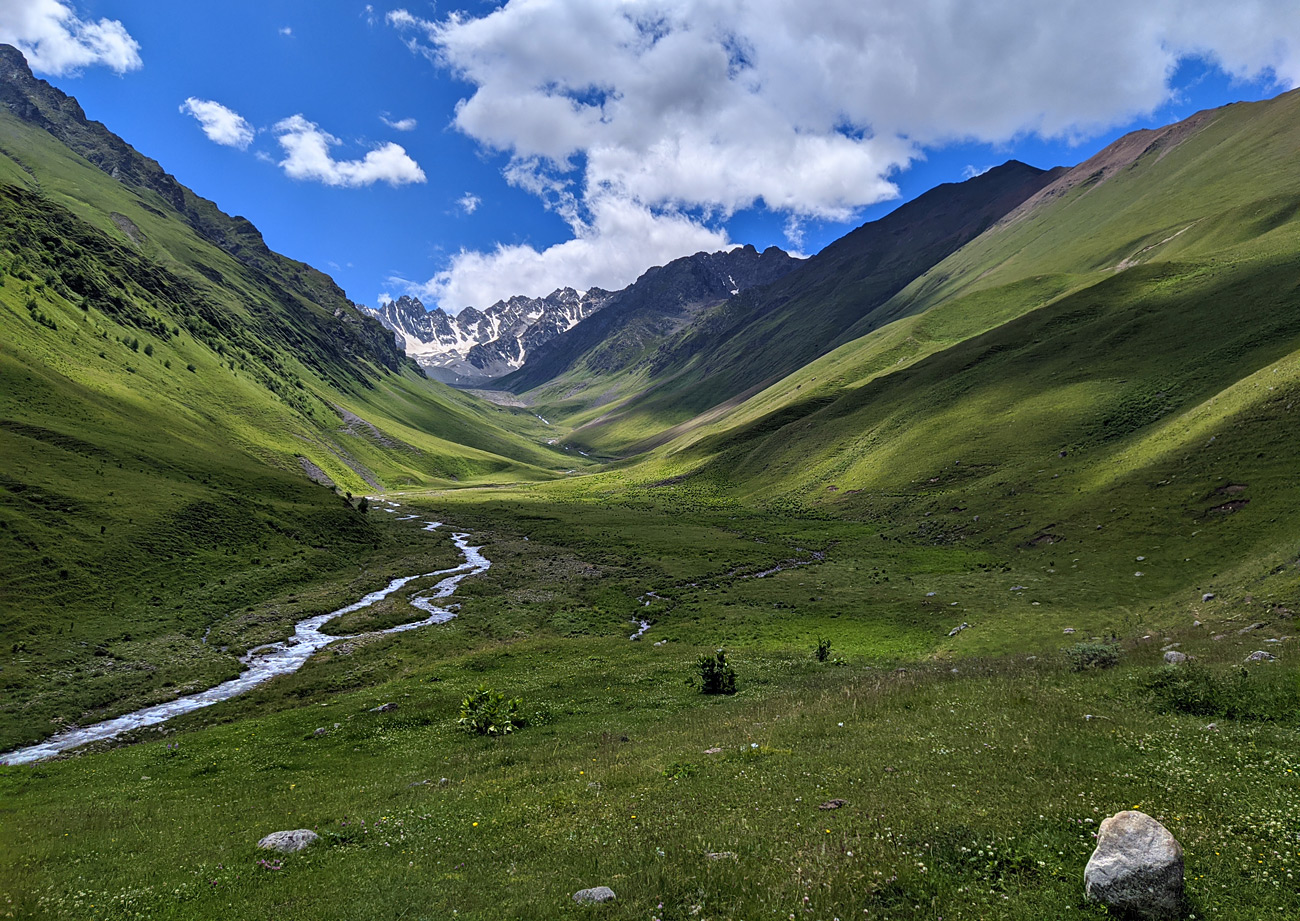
(464,154)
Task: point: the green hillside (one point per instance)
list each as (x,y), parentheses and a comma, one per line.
(164,399)
(749,341)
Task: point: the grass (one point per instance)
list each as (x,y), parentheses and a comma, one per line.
(973,779)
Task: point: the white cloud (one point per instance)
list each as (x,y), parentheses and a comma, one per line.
(307,150)
(712,106)
(221,125)
(401,124)
(622,240)
(970,171)
(286,31)
(469,202)
(56,41)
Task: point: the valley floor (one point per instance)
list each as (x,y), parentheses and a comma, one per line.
(972,768)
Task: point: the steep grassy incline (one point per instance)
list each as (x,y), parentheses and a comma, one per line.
(752,340)
(1109,391)
(163,402)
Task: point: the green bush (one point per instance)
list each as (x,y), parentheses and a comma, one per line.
(1195,690)
(1084,656)
(823,651)
(488,712)
(716,676)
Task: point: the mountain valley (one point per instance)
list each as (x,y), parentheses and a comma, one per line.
(947,494)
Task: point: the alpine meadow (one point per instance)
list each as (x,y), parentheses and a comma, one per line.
(864,584)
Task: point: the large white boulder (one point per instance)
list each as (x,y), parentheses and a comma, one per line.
(1137,867)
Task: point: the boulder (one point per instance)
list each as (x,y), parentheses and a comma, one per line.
(1174,657)
(1137,868)
(1260,655)
(594,896)
(288,842)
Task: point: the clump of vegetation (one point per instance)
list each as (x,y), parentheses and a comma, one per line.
(1197,691)
(1089,655)
(716,676)
(488,712)
(823,650)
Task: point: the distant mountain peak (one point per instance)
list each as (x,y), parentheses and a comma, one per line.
(476,346)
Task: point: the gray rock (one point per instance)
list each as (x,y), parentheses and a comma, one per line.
(955,630)
(1068,630)
(1208,596)
(1137,867)
(1260,655)
(594,896)
(288,842)
(1174,657)
(383,708)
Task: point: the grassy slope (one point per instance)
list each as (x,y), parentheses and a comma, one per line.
(144,503)
(754,339)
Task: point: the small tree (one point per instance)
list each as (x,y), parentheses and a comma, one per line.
(823,651)
(716,676)
(363,505)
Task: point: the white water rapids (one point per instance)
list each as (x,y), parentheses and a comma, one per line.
(266,662)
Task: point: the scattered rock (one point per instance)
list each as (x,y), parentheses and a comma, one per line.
(383,708)
(1219,636)
(833,804)
(1137,867)
(720,855)
(1260,655)
(891,770)
(1196,623)
(712,751)
(1068,630)
(1244,630)
(955,630)
(1174,657)
(594,896)
(1212,727)
(1170,646)
(320,731)
(289,842)
(1208,596)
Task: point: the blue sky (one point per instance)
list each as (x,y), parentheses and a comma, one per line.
(502,149)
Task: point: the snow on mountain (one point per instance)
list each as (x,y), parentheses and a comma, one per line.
(477,346)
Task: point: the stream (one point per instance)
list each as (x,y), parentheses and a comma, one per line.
(273,659)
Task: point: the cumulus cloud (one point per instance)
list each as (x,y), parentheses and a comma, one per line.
(400,124)
(706,107)
(221,125)
(469,202)
(286,31)
(307,156)
(55,40)
(621,241)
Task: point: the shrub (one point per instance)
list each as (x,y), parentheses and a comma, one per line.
(1196,691)
(488,712)
(716,676)
(823,651)
(1084,656)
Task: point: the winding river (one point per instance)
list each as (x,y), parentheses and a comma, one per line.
(266,662)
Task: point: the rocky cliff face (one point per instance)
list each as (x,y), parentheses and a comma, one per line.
(477,346)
